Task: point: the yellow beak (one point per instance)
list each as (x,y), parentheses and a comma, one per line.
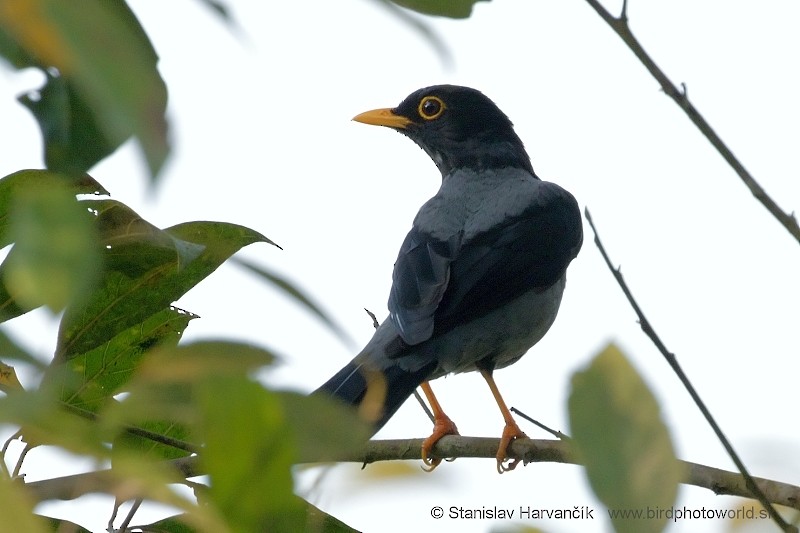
(383,117)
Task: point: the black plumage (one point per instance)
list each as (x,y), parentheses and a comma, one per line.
(479,277)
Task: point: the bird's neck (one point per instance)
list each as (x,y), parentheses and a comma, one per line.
(479,157)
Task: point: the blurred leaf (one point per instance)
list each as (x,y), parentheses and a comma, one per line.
(422,28)
(11,185)
(73,140)
(58,525)
(321,522)
(16,509)
(208,387)
(202,359)
(100,373)
(251,421)
(162,387)
(220,8)
(444,8)
(8,379)
(11,350)
(27,183)
(302,298)
(43,420)
(173,524)
(148,269)
(106,59)
(618,432)
(55,259)
(12,52)
(135,477)
(322,428)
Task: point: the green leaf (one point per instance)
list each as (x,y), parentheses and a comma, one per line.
(443,8)
(173,524)
(162,385)
(108,63)
(8,379)
(73,139)
(60,524)
(321,522)
(134,443)
(42,419)
(322,428)
(16,509)
(11,185)
(9,349)
(148,269)
(102,372)
(12,52)
(251,421)
(617,429)
(302,298)
(56,259)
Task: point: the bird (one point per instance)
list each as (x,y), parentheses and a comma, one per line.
(480,275)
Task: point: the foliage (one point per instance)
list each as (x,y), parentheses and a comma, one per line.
(121,388)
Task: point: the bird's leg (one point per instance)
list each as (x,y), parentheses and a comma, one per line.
(442,425)
(511,431)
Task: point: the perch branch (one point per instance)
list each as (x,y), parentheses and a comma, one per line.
(721,482)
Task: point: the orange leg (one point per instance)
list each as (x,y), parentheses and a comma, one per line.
(511,431)
(442,425)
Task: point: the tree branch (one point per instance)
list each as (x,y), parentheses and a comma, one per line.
(621,27)
(749,482)
(721,482)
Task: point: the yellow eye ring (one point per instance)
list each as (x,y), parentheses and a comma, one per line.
(431,107)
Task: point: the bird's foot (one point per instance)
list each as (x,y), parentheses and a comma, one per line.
(511,432)
(442,426)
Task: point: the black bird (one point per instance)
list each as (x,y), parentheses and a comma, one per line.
(479,278)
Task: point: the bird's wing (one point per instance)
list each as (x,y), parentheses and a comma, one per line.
(440,284)
(419,281)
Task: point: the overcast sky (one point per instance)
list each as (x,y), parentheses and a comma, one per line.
(262,137)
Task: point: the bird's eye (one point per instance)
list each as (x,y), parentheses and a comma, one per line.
(431,107)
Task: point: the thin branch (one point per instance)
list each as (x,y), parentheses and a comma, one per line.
(721,482)
(751,485)
(621,27)
(554,432)
(139,432)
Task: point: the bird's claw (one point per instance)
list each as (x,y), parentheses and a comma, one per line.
(510,434)
(441,427)
(502,467)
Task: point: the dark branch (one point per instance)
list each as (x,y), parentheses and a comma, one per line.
(621,27)
(751,485)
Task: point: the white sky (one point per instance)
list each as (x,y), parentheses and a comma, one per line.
(263,137)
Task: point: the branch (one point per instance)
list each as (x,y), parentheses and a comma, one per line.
(621,27)
(749,482)
(721,482)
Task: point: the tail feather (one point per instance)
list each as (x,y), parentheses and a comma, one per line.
(350,385)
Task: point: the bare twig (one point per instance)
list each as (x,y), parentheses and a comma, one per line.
(554,432)
(527,450)
(751,485)
(127,522)
(621,27)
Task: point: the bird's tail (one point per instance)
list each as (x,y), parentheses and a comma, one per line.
(378,394)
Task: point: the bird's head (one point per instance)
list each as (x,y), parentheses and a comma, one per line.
(457,126)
